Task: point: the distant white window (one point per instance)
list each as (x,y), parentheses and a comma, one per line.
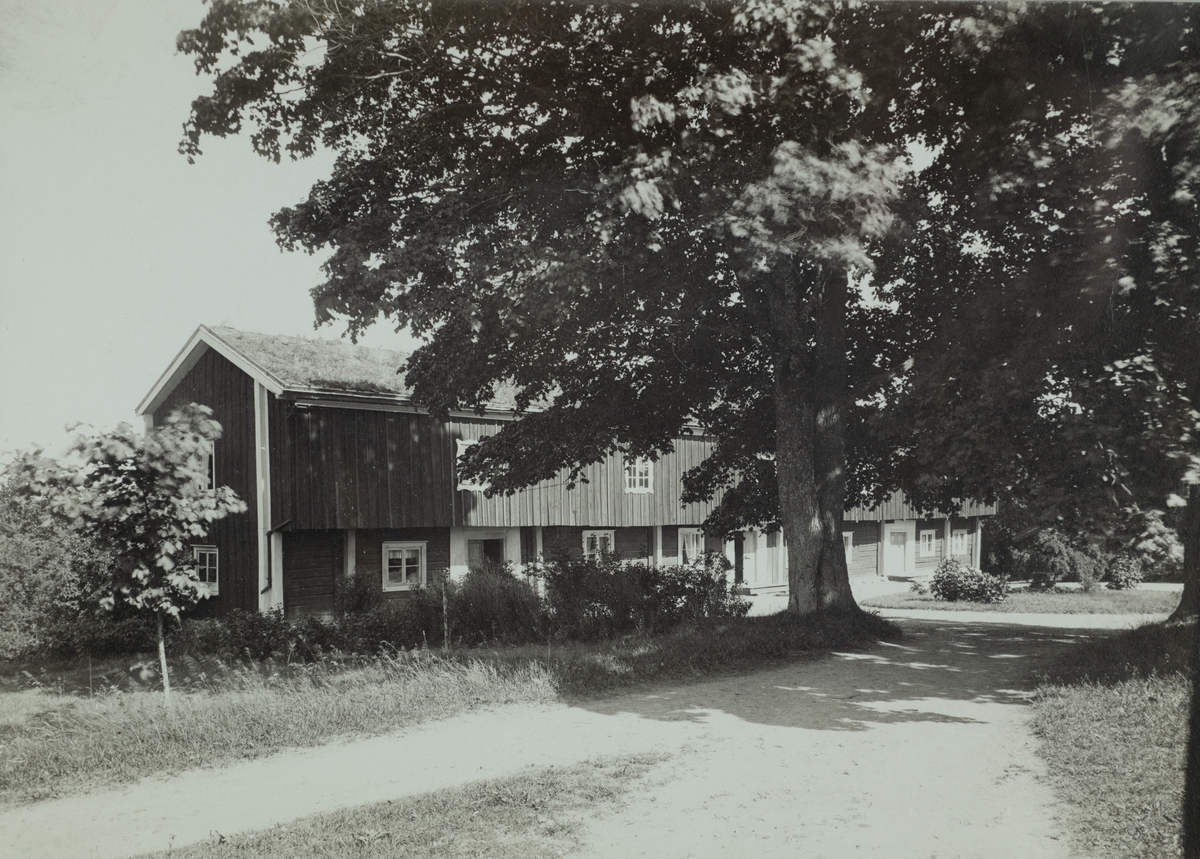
(403,566)
(639,475)
(596,542)
(469,485)
(848,545)
(691,545)
(928,543)
(206,568)
(958,542)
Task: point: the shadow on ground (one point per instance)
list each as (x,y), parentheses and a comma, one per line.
(940,672)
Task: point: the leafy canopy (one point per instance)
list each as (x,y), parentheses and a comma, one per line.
(142,498)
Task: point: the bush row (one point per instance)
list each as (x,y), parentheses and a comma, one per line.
(566,598)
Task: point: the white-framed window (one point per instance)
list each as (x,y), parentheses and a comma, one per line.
(691,545)
(595,542)
(403,566)
(207,568)
(469,485)
(958,542)
(209,480)
(928,542)
(848,545)
(639,475)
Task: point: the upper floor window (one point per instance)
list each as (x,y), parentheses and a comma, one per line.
(928,542)
(639,475)
(958,542)
(597,542)
(471,485)
(206,568)
(403,566)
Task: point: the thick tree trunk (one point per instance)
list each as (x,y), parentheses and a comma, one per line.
(829,445)
(810,449)
(1189,603)
(799,513)
(1191,780)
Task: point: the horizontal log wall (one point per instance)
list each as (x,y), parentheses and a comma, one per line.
(312,563)
(368,555)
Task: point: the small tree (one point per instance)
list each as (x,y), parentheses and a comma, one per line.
(143,498)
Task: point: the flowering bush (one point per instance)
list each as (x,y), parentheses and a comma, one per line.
(954,581)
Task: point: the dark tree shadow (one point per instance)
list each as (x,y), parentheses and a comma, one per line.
(933,675)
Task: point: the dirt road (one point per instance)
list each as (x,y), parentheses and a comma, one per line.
(913,750)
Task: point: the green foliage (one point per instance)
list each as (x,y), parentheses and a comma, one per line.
(1051,558)
(492,604)
(51,580)
(588,599)
(141,499)
(1124,572)
(954,581)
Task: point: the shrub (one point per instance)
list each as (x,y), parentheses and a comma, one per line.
(492,604)
(412,622)
(50,584)
(1053,558)
(954,581)
(600,598)
(1124,572)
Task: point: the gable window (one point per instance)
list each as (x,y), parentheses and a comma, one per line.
(927,542)
(206,568)
(403,566)
(848,545)
(691,545)
(469,485)
(595,542)
(958,542)
(639,475)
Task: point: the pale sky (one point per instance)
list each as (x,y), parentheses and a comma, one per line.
(112,247)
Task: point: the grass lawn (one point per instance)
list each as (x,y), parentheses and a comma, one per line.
(1099,601)
(220,714)
(1112,724)
(535,815)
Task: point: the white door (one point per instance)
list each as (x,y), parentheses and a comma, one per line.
(899,548)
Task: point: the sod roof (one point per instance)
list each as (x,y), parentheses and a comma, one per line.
(322,365)
(332,366)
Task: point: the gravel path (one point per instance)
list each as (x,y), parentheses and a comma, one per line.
(913,750)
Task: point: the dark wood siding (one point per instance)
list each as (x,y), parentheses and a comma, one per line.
(670,546)
(312,562)
(368,552)
(350,468)
(562,538)
(897,507)
(217,383)
(634,543)
(601,502)
(864,560)
(528,544)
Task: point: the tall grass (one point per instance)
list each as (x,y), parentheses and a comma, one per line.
(119,737)
(1112,722)
(225,714)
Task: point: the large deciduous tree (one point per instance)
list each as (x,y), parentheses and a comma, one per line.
(142,499)
(642,217)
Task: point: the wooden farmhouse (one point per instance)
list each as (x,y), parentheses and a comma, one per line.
(342,474)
